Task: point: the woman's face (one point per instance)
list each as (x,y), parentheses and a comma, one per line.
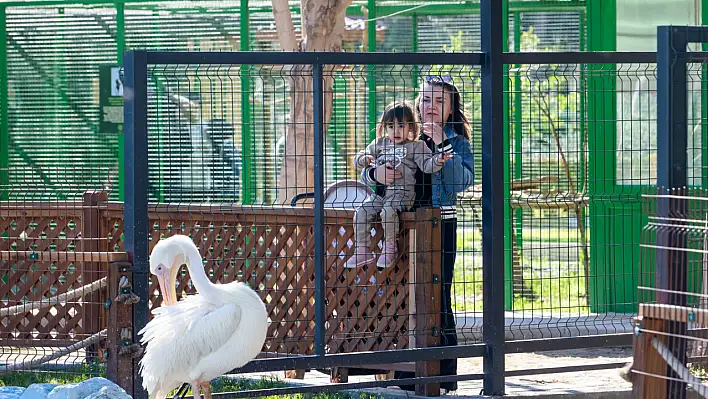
(435,104)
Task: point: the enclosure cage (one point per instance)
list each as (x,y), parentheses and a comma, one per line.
(53,144)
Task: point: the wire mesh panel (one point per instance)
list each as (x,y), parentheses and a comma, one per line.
(53,268)
(181,26)
(53,55)
(270,244)
(563,278)
(669,347)
(63,96)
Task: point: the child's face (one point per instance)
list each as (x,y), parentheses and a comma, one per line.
(398,131)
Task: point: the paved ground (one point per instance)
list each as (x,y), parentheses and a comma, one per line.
(604,383)
(607,383)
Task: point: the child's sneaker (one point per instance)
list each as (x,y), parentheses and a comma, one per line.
(362,256)
(389,253)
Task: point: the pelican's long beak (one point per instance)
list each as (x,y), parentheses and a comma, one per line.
(163,279)
(167,280)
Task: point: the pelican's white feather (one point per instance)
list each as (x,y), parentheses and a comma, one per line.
(203,336)
(191,329)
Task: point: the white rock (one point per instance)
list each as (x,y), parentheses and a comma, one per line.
(109,392)
(11,392)
(86,389)
(37,391)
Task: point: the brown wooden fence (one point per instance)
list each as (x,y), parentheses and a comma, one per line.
(50,248)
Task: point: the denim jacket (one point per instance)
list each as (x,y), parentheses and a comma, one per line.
(456,176)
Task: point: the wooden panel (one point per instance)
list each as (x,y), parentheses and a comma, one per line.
(273,251)
(46,252)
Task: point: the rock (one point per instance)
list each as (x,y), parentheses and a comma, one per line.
(37,391)
(109,392)
(11,392)
(87,389)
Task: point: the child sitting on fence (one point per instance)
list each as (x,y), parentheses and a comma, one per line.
(396,144)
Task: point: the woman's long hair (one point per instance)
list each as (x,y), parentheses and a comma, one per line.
(457,119)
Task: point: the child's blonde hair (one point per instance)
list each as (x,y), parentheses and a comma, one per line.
(399,111)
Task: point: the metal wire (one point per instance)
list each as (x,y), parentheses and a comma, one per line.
(220,137)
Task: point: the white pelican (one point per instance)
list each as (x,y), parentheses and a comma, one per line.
(203,336)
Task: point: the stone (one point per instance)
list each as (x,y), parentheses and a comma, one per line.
(86,389)
(11,392)
(37,391)
(109,392)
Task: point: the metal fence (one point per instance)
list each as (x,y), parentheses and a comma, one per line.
(54,56)
(547,246)
(669,348)
(548,299)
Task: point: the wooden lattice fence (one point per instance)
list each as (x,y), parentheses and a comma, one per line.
(50,248)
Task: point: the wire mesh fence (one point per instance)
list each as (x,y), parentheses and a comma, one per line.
(550,278)
(56,53)
(53,279)
(670,343)
(237,152)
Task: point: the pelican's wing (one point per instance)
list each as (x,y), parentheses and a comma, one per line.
(179,335)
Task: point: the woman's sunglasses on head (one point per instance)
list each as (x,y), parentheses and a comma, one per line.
(447,79)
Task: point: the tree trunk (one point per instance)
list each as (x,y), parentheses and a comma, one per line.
(322,30)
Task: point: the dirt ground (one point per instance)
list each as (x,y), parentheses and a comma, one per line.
(560,383)
(608,380)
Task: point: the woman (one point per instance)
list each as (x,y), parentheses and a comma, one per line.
(445,127)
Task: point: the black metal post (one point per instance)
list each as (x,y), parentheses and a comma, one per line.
(672,164)
(136,191)
(317,110)
(493,194)
(672,108)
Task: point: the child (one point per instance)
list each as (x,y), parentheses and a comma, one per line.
(397,144)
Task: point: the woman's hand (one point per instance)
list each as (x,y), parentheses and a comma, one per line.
(434,131)
(386,173)
(365,161)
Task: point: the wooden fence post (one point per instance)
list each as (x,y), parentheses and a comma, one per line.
(648,360)
(91,230)
(426,277)
(120,326)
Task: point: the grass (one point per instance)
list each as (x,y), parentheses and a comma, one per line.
(219,385)
(557,285)
(554,291)
(472,239)
(27,378)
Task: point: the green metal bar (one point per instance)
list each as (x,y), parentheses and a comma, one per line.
(508,244)
(370,69)
(339,125)
(518,133)
(602,36)
(704,103)
(429,9)
(414,47)
(120,48)
(470,8)
(354,10)
(583,90)
(5,127)
(582,186)
(247,194)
